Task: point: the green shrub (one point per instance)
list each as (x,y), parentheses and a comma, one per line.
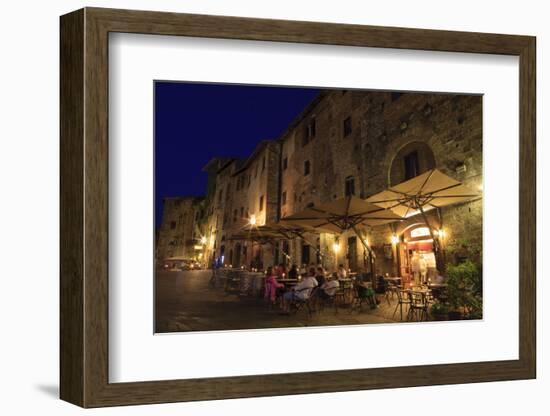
(465,288)
(439,308)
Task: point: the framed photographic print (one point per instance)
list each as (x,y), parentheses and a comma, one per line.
(355,202)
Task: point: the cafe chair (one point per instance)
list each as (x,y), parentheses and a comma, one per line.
(418,307)
(403,301)
(309,304)
(333,300)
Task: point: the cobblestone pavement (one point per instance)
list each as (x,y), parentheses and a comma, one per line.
(185,302)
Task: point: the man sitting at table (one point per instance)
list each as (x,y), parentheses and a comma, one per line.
(301,291)
(329,288)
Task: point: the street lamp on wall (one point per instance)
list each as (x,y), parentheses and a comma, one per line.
(252,220)
(394,239)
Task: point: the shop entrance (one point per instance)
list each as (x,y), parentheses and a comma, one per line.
(416,255)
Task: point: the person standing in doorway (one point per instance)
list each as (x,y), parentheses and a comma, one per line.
(415,268)
(423,269)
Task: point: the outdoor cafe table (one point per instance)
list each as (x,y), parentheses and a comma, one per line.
(425,292)
(288,282)
(251,282)
(395,280)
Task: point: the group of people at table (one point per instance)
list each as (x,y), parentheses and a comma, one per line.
(298,285)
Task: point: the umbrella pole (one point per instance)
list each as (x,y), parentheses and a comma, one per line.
(371,258)
(439,261)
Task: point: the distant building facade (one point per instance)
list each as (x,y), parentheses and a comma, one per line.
(179,236)
(348,143)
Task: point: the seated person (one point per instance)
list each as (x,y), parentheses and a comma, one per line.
(301,291)
(320,276)
(342,272)
(381,285)
(329,288)
(271,285)
(367,294)
(293,272)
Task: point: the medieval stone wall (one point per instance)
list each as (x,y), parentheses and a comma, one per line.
(178,234)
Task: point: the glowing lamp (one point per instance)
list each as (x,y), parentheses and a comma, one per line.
(252,220)
(394,239)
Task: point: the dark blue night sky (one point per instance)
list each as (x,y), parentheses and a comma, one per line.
(195,122)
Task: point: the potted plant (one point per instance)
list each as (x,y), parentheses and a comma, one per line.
(464,290)
(440,311)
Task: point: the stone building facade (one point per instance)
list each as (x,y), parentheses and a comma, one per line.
(245,191)
(179,235)
(349,142)
(360,143)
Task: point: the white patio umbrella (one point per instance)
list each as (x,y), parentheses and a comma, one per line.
(338,216)
(269,234)
(429,190)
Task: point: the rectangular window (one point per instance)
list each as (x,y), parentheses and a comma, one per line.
(309,132)
(235,216)
(311,129)
(305,254)
(285,163)
(262,203)
(172,225)
(242,212)
(283,198)
(411,165)
(307,167)
(263,164)
(350,186)
(347,126)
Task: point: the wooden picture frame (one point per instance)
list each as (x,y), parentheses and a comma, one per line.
(84,207)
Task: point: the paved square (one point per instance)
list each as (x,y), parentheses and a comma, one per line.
(185,302)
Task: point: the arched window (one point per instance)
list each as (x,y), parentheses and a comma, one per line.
(411,160)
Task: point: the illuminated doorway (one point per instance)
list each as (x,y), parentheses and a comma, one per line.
(417,262)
